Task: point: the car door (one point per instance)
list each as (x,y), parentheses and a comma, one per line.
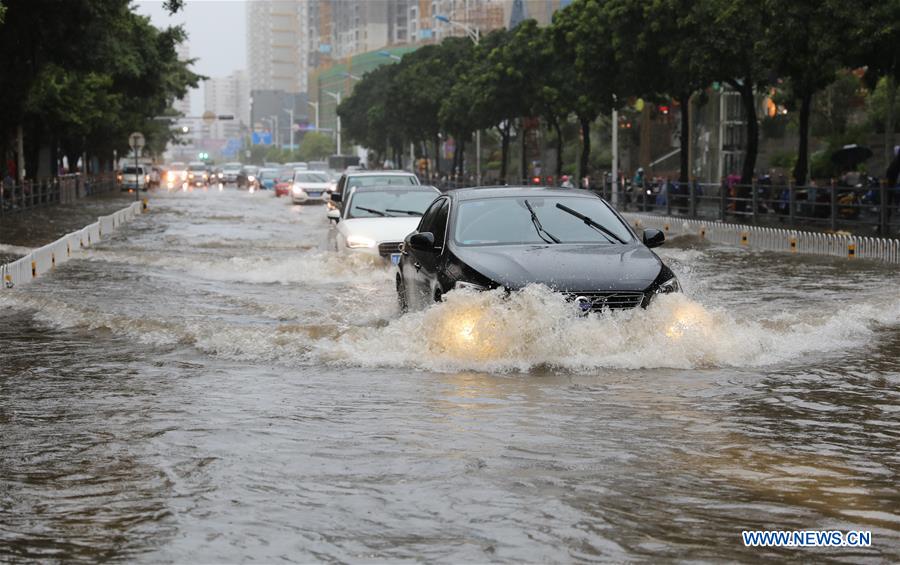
(427,262)
(411,260)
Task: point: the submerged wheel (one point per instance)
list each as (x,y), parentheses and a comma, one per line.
(401,295)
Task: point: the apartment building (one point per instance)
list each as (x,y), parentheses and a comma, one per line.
(277,57)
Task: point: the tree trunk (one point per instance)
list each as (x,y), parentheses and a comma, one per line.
(523,158)
(685,139)
(504,152)
(801,169)
(559,148)
(747,99)
(437,155)
(585,149)
(889,120)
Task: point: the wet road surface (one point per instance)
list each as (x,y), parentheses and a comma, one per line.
(208,385)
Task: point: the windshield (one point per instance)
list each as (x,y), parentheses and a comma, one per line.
(251,170)
(231,167)
(507,221)
(398,203)
(310,177)
(195,167)
(381,180)
(130,170)
(178,166)
(268,173)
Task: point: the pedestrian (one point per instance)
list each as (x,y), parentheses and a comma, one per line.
(566,183)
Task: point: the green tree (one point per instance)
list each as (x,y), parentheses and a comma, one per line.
(84,74)
(315,146)
(581,37)
(809,40)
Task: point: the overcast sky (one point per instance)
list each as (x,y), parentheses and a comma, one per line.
(215,30)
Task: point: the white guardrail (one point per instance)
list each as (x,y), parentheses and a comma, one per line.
(774,239)
(46,258)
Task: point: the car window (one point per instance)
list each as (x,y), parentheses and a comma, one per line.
(380,180)
(439,228)
(309,177)
(507,221)
(389,203)
(428,218)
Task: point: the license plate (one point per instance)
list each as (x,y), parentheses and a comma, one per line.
(314,194)
(395,258)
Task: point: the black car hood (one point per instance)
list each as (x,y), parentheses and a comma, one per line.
(565,267)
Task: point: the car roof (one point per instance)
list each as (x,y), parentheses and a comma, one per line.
(379,173)
(516,191)
(396,187)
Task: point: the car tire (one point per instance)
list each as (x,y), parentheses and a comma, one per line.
(401,296)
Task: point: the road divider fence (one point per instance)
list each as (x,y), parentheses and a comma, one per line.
(773,239)
(45,259)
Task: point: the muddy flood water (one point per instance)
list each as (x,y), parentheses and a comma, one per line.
(209,385)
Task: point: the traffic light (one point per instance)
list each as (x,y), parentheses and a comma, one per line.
(203,156)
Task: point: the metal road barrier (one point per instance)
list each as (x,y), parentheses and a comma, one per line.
(774,239)
(46,258)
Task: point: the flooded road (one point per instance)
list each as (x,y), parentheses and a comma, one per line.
(208,385)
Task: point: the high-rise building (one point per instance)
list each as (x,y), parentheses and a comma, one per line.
(183,105)
(277,56)
(227,95)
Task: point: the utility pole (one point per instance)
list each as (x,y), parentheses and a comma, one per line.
(291,112)
(615,156)
(316,106)
(337,97)
(475,35)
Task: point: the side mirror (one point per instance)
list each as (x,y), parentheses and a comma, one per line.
(422,241)
(336,196)
(654,238)
(334,215)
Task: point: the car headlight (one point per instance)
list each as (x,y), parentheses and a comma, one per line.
(469,286)
(297,189)
(359,242)
(190,175)
(221,175)
(669,286)
(170,176)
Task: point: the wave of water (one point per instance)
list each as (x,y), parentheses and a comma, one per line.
(534,328)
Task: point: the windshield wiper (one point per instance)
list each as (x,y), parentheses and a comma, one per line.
(588,221)
(372,211)
(407,212)
(540,229)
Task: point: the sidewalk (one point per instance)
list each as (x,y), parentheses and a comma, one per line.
(39,226)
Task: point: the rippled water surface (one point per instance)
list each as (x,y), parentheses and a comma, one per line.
(209,385)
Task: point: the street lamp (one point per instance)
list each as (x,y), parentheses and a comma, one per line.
(474,34)
(337,97)
(316,106)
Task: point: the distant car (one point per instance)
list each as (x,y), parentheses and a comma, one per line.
(570,240)
(135,177)
(268,177)
(354,179)
(197,174)
(309,186)
(176,176)
(318,165)
(231,172)
(248,177)
(294,165)
(375,219)
(156,175)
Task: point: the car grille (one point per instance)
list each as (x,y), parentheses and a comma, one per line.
(388,248)
(613,300)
